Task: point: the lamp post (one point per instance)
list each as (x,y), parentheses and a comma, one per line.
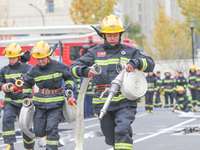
(192,24)
(39,11)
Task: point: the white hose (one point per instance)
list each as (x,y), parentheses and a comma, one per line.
(134,84)
(26,120)
(80,128)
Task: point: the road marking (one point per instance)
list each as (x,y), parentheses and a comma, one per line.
(164,131)
(161,132)
(137,116)
(87,127)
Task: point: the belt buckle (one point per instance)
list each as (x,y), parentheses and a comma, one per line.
(45,91)
(107,86)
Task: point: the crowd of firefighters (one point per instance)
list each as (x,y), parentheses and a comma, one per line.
(174,89)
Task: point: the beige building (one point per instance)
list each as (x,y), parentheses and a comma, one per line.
(26,13)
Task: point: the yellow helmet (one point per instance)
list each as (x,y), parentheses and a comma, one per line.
(41,49)
(112,24)
(167,71)
(192,67)
(180,88)
(13,50)
(197,69)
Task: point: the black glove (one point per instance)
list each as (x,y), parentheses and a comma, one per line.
(85,71)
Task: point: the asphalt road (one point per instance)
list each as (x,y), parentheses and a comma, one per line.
(162,130)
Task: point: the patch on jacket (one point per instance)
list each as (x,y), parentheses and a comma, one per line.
(101,54)
(123,52)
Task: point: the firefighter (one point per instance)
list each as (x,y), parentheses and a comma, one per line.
(191,84)
(180,81)
(151,90)
(47,74)
(116,124)
(176,75)
(168,88)
(15,70)
(159,85)
(197,86)
(182,102)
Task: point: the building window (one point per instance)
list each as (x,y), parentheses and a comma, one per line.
(50,6)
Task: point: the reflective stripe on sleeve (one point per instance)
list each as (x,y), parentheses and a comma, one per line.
(144,64)
(74,72)
(69,82)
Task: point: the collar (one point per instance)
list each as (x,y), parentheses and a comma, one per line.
(46,66)
(112,49)
(16,65)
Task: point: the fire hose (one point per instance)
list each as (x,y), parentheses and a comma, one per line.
(69,107)
(132,85)
(26,118)
(80,129)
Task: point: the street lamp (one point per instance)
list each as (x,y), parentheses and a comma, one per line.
(39,11)
(192,24)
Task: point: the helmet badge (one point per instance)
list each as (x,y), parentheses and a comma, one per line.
(112,27)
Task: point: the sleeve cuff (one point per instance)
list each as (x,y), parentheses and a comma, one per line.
(134,63)
(85,71)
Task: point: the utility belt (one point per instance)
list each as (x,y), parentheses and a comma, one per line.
(192,82)
(102,87)
(50,92)
(169,87)
(150,86)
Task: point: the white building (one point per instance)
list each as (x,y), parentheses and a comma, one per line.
(25,13)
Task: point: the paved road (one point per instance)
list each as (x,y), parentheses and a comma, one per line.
(157,131)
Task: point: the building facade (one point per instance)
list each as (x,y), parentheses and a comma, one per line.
(143,12)
(26,13)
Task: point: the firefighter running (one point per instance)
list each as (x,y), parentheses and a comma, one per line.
(13,100)
(47,74)
(116,124)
